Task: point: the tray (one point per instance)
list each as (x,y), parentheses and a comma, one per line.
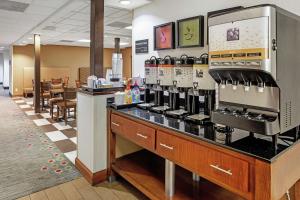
(131,105)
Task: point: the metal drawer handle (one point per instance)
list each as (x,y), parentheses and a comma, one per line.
(115,124)
(142,136)
(166,146)
(222,170)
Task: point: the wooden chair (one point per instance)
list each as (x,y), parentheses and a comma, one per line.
(68,102)
(78,84)
(56,81)
(66,81)
(45,92)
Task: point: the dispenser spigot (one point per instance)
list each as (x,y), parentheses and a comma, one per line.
(261,86)
(223,84)
(247,85)
(234,84)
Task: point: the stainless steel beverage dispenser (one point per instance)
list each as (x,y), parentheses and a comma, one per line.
(165,80)
(201,98)
(254,58)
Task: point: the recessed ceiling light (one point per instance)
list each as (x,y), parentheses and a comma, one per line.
(128,27)
(84,40)
(124,2)
(124,43)
(30,38)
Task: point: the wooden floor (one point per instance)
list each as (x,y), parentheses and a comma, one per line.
(80,189)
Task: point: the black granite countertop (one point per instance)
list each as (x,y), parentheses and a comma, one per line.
(258,146)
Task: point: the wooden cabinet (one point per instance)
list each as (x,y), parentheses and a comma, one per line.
(181,151)
(226,169)
(207,162)
(135,132)
(246,176)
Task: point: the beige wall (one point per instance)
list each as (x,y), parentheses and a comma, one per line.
(55,61)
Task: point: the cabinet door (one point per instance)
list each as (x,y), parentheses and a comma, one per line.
(137,133)
(181,151)
(212,164)
(227,169)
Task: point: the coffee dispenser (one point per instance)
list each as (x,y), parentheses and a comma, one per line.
(254,58)
(164,82)
(182,75)
(201,98)
(150,82)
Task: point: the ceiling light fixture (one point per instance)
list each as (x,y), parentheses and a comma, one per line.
(128,27)
(124,43)
(84,40)
(124,2)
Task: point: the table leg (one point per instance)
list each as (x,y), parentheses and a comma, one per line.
(169,178)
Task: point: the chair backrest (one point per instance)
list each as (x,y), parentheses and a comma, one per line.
(56,81)
(66,81)
(78,84)
(45,86)
(69,93)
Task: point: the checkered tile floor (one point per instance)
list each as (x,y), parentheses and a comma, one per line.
(64,136)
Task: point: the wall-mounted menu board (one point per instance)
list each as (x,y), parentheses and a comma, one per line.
(190,32)
(164,36)
(141,46)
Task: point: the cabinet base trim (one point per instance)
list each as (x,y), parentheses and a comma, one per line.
(92,178)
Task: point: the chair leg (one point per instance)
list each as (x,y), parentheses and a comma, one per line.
(51,110)
(75,110)
(43,102)
(65,115)
(57,113)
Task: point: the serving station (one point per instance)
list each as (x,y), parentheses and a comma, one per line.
(227,122)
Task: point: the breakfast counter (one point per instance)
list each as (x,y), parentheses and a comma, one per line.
(247,166)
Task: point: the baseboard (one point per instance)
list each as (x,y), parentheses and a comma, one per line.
(92,178)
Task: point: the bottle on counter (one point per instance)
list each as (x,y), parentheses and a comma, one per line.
(136,94)
(128,94)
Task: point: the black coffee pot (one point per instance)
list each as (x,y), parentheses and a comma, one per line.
(174,97)
(193,103)
(158,95)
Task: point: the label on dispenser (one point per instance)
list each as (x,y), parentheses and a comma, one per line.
(181,95)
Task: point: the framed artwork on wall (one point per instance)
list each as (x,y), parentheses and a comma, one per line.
(190,32)
(164,36)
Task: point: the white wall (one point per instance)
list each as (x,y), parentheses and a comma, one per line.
(163,11)
(6,57)
(1,68)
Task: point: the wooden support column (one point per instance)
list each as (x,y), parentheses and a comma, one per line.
(97,37)
(37,73)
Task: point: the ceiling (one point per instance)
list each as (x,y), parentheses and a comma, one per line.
(63,22)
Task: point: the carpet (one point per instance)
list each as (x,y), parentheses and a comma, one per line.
(29,161)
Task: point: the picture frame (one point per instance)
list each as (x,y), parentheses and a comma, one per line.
(164,36)
(190,32)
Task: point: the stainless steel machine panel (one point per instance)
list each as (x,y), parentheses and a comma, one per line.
(254,57)
(267,99)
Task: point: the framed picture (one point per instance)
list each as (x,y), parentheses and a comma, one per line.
(164,36)
(190,32)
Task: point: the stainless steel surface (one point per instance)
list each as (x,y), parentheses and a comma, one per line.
(218,168)
(115,124)
(142,136)
(267,100)
(196,177)
(166,146)
(169,178)
(268,83)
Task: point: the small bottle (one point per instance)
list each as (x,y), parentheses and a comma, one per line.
(128,95)
(136,93)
